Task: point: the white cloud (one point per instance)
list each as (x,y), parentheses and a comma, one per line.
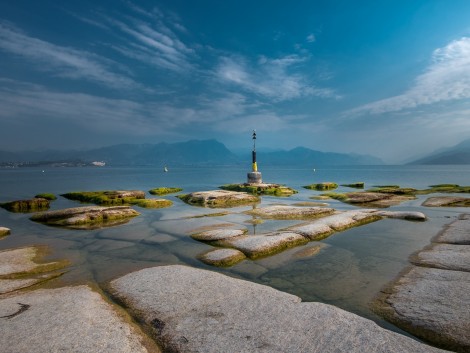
(269,78)
(311,38)
(447,78)
(62,61)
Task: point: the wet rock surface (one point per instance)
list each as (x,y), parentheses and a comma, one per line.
(240,316)
(290,212)
(86,217)
(222,257)
(219,198)
(26,206)
(431,300)
(447,201)
(4,231)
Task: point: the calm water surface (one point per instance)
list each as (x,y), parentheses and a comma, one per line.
(348,272)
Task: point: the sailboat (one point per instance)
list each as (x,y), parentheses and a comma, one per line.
(165,169)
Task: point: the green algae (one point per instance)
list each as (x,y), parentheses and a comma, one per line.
(104,198)
(322,186)
(164,190)
(359,185)
(26,206)
(154,203)
(47,196)
(262,189)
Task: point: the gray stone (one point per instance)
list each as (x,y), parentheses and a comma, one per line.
(433,304)
(222,257)
(290,212)
(445,256)
(192,310)
(218,234)
(86,217)
(447,201)
(374,199)
(254,178)
(458,232)
(255,246)
(71,319)
(406,215)
(219,198)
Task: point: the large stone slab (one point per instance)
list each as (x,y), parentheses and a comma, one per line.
(458,232)
(433,304)
(25,206)
(371,199)
(219,198)
(192,310)
(447,201)
(445,256)
(254,246)
(86,217)
(71,319)
(290,212)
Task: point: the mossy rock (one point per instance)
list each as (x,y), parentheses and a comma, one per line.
(445,188)
(107,198)
(4,232)
(27,206)
(47,196)
(154,203)
(372,199)
(359,185)
(219,198)
(164,191)
(222,257)
(322,186)
(261,189)
(394,190)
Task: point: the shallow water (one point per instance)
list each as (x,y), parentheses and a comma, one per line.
(349,270)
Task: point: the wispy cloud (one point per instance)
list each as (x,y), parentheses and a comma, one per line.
(269,78)
(311,38)
(149,36)
(447,78)
(62,61)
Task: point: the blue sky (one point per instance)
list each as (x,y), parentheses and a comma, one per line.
(387,78)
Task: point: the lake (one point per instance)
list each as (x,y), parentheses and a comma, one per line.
(348,272)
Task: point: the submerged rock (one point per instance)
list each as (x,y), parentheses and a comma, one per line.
(4,232)
(86,217)
(322,186)
(219,198)
(445,256)
(193,310)
(447,201)
(26,206)
(19,269)
(290,212)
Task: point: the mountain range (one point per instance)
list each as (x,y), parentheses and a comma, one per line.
(458,154)
(194,152)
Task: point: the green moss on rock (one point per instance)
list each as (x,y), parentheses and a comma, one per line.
(106,198)
(359,185)
(322,186)
(47,196)
(164,191)
(26,206)
(154,203)
(261,189)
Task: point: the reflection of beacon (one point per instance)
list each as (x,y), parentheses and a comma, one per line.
(254,177)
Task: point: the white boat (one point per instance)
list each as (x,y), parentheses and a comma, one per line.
(165,169)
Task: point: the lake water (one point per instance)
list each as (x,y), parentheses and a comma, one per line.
(348,272)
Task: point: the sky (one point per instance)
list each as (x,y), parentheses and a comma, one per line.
(385,78)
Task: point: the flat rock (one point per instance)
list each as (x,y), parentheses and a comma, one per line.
(193,310)
(290,212)
(70,319)
(433,304)
(222,257)
(4,232)
(86,217)
(406,215)
(254,246)
(219,198)
(218,234)
(325,226)
(31,205)
(374,199)
(458,232)
(445,256)
(447,201)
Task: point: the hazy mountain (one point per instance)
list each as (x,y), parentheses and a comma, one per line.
(458,154)
(194,152)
